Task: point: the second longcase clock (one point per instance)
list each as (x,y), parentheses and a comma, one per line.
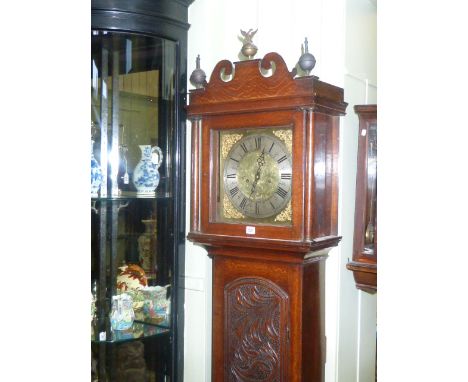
(364,263)
(264,205)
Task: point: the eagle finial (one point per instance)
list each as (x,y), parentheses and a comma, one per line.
(248,36)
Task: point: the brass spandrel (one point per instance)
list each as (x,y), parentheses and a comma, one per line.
(285,215)
(229,211)
(285,136)
(227,141)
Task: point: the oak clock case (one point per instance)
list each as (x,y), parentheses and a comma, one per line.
(138,58)
(253,174)
(364,263)
(264,206)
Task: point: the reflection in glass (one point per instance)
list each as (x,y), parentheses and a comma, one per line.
(371,199)
(132,103)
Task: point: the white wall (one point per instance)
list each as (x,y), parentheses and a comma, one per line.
(356,343)
(342,37)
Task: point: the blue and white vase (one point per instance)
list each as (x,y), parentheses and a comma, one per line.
(96,174)
(146,175)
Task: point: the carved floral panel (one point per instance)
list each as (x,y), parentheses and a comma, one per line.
(256,325)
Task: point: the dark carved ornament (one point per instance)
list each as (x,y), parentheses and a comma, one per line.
(256,314)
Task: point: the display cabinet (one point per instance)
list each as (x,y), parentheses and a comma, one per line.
(138,94)
(364,263)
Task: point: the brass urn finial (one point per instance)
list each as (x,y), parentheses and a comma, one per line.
(307,60)
(198,76)
(249,49)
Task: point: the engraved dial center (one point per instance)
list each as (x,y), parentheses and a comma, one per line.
(257,181)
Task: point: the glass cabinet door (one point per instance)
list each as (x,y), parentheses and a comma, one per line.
(364,263)
(132,210)
(370,232)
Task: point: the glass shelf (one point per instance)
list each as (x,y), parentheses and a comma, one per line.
(131,195)
(138,331)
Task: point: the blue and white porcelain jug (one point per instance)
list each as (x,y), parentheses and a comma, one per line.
(146,175)
(96,174)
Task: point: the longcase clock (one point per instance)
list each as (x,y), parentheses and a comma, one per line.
(264,205)
(364,263)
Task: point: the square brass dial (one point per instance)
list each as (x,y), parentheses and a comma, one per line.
(255,176)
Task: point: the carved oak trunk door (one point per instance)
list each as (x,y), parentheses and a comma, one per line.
(256,322)
(264,205)
(268,318)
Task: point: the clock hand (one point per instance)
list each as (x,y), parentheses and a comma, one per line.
(261,162)
(261,159)
(254,184)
